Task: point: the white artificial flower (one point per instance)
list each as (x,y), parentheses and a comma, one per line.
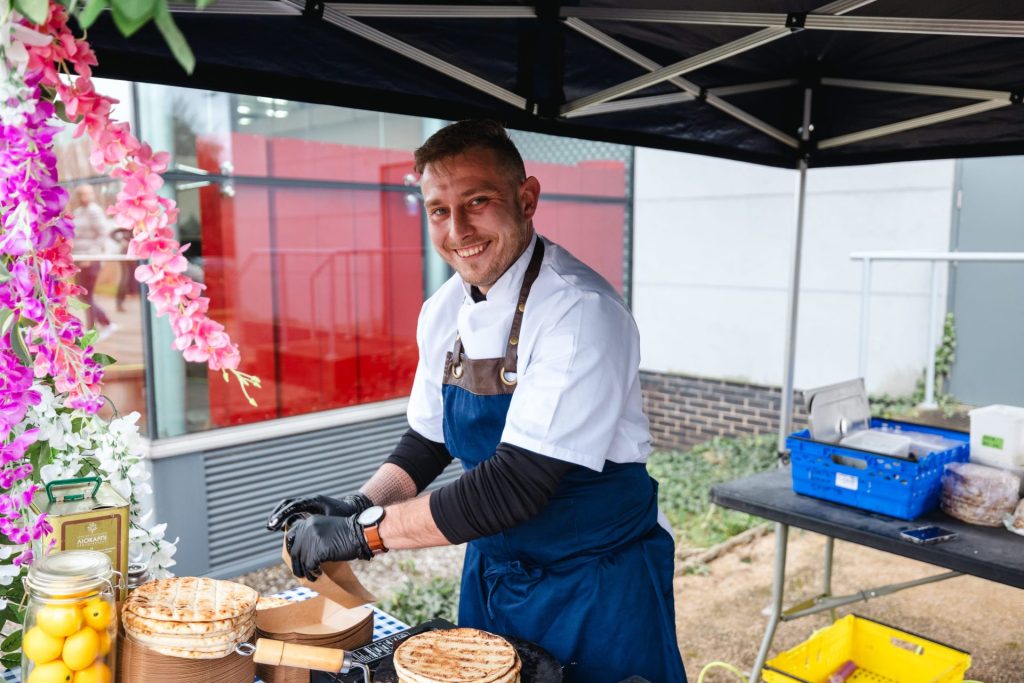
(7,550)
(8,572)
(50,473)
(123,487)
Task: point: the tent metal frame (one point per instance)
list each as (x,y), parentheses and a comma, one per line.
(833,16)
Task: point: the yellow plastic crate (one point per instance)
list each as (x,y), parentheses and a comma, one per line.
(882,654)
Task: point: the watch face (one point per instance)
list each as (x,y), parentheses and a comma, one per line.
(371,515)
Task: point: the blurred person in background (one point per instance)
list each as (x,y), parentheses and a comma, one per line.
(91,234)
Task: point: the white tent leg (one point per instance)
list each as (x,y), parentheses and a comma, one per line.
(786,410)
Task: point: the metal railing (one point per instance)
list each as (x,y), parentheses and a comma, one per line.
(934,258)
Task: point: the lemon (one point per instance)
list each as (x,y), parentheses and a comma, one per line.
(58,620)
(81,648)
(51,672)
(97,673)
(97,613)
(40,647)
(104,643)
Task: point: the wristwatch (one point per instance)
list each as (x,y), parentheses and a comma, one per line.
(369,519)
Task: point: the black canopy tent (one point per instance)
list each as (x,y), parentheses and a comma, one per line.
(719,78)
(794,84)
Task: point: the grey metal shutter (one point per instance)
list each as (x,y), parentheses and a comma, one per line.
(244,482)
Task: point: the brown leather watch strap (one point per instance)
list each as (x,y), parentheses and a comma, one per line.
(373,539)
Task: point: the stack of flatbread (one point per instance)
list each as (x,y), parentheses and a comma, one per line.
(459,655)
(978,494)
(191,618)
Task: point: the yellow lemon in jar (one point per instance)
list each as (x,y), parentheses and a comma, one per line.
(51,672)
(97,673)
(97,613)
(104,643)
(40,647)
(81,649)
(59,621)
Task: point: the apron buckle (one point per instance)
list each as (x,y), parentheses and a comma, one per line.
(504,380)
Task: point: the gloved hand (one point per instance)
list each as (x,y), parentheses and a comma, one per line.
(291,508)
(318,539)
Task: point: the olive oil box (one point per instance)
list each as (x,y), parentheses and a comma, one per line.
(86,514)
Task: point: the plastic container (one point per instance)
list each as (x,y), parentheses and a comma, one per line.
(877,441)
(997,436)
(882,654)
(903,488)
(71,618)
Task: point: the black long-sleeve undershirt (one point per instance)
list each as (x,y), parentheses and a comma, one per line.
(507,489)
(421,458)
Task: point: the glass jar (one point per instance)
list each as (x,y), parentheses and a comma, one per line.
(138,574)
(71,619)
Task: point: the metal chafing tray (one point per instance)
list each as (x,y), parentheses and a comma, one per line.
(837,410)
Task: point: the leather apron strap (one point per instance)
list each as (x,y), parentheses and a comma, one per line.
(491,375)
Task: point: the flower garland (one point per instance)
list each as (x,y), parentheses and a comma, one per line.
(50,377)
(139,207)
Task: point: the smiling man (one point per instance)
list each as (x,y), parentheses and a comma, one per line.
(529,375)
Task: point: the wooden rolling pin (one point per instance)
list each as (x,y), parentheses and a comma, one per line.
(278,653)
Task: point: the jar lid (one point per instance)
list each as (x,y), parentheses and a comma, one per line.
(69,571)
(138,569)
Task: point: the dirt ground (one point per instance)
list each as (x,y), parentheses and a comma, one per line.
(720,614)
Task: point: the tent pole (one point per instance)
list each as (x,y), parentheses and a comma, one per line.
(786,410)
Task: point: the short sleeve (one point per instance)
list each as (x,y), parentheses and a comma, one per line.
(572,392)
(425,411)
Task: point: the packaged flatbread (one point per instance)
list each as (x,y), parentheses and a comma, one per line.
(1015,522)
(978,494)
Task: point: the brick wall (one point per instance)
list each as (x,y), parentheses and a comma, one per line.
(686,410)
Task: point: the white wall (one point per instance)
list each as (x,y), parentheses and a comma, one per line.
(712,249)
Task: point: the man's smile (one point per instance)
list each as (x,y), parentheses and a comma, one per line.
(468,252)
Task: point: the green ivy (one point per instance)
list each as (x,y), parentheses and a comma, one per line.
(894,407)
(685,479)
(417,600)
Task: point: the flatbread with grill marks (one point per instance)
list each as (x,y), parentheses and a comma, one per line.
(199,642)
(134,622)
(191,599)
(460,655)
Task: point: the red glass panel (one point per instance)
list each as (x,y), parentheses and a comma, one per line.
(321,287)
(335,274)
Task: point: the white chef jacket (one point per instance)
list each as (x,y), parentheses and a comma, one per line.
(578,393)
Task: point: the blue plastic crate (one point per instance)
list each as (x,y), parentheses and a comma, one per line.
(893,486)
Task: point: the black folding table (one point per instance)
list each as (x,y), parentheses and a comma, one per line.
(990,553)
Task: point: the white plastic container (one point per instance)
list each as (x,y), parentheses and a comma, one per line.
(997,436)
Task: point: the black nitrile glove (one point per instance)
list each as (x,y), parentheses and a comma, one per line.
(291,508)
(318,539)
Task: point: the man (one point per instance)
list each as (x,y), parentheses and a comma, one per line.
(528,373)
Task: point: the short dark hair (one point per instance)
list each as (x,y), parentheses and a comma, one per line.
(459,138)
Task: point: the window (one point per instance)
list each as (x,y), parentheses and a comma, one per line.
(306,228)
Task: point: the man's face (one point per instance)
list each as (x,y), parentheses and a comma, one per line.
(479,215)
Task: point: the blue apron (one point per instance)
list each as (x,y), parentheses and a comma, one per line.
(589,578)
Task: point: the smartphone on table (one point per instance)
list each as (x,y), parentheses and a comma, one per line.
(928,534)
